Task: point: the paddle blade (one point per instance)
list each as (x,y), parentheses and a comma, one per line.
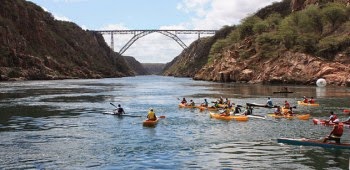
(161,116)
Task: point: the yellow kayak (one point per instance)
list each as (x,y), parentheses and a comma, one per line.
(202,108)
(307,104)
(221,117)
(150,122)
(300,117)
(187,106)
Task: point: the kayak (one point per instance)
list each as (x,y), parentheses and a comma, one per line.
(186,106)
(307,104)
(310,142)
(300,117)
(283,92)
(326,123)
(260,105)
(207,108)
(122,115)
(221,117)
(346,110)
(150,122)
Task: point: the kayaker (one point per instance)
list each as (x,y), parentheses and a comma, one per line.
(221,100)
(205,103)
(269,102)
(286,105)
(226,111)
(305,100)
(227,102)
(191,103)
(336,133)
(332,117)
(278,111)
(237,109)
(248,111)
(151,115)
(119,110)
(312,100)
(184,101)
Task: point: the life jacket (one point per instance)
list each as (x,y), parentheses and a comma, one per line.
(151,115)
(305,100)
(287,105)
(333,117)
(312,101)
(120,110)
(338,130)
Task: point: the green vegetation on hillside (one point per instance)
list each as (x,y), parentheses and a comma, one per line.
(317,30)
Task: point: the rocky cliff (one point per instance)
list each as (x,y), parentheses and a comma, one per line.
(273,46)
(195,57)
(33,45)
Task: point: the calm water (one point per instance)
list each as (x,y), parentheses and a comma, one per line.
(60,125)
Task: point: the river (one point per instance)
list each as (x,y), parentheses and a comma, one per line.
(60,125)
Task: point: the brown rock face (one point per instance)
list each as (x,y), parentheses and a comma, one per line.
(33,45)
(291,68)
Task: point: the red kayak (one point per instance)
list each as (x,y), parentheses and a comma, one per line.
(326,123)
(346,111)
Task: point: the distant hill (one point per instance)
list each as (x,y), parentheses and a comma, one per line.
(33,45)
(136,66)
(154,68)
(287,42)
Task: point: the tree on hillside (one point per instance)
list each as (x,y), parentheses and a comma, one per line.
(335,14)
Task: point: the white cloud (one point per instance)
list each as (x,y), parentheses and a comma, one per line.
(220,12)
(206,14)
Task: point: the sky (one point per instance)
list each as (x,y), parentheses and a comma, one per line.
(152,14)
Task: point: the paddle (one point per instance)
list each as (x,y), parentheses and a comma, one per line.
(113,105)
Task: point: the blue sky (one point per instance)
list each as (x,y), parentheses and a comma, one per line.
(152,14)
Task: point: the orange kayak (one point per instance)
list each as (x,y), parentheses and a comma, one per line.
(186,106)
(221,117)
(150,122)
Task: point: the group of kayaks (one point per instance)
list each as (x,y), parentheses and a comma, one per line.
(290,141)
(239,117)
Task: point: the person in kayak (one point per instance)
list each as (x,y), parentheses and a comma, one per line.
(305,100)
(184,101)
(221,100)
(205,103)
(286,105)
(226,112)
(248,111)
(332,117)
(269,102)
(191,103)
(119,110)
(336,133)
(312,100)
(237,109)
(151,115)
(278,111)
(228,102)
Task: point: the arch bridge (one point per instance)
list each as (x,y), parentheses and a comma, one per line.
(141,33)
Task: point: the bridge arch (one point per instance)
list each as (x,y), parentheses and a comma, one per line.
(141,33)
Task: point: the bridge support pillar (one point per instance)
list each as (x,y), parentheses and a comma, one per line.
(112,41)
